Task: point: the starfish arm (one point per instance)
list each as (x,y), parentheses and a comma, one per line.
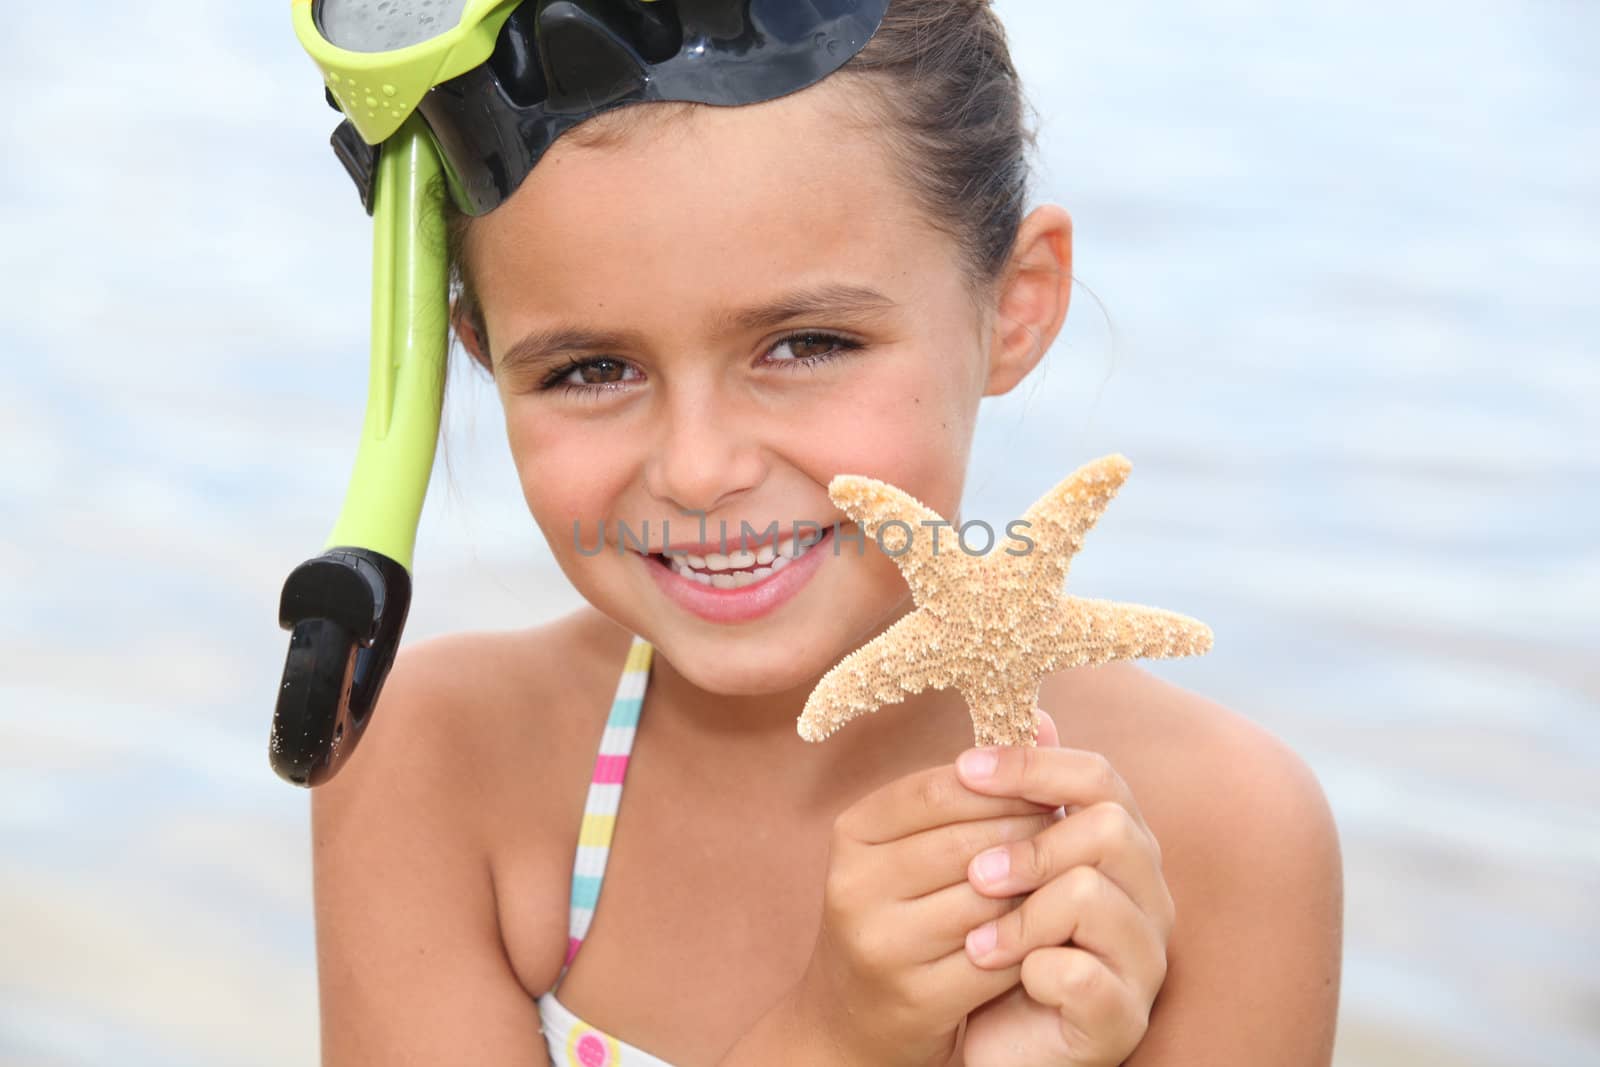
(990,627)
(903,660)
(1058,521)
(1095,631)
(875,505)
(1002,710)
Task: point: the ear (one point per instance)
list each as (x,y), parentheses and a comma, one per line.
(1033,297)
(477,346)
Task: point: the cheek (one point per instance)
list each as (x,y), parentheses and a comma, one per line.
(908,421)
(567,475)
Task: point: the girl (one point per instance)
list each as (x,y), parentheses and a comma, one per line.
(694,312)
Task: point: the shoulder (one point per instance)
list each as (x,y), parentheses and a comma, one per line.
(482,743)
(498,725)
(1198,767)
(481,663)
(412,958)
(1250,852)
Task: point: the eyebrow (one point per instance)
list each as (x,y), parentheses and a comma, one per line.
(837,299)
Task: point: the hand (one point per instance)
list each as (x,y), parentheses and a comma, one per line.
(889,981)
(1091,935)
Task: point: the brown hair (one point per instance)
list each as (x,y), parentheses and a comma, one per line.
(943,94)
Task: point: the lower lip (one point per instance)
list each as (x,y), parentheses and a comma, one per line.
(738,605)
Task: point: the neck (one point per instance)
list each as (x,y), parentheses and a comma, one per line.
(748,744)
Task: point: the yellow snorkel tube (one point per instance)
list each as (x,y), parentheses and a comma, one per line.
(345,609)
(474,91)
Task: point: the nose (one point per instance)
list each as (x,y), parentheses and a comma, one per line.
(704,454)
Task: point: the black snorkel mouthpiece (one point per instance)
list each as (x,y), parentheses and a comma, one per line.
(345,611)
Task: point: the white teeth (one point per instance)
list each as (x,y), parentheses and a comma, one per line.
(730,579)
(740,579)
(741,567)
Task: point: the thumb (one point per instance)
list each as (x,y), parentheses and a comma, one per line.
(1045,735)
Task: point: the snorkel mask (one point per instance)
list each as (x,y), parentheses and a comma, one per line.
(475,91)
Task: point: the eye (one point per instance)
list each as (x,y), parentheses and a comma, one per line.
(596,374)
(589,375)
(812,347)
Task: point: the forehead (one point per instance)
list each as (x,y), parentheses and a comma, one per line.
(700,208)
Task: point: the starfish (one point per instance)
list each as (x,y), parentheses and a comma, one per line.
(991,626)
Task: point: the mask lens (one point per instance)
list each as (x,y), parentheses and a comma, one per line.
(386,25)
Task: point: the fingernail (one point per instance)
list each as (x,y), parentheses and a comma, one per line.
(993,865)
(978,763)
(981,941)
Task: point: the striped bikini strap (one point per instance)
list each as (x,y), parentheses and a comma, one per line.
(605,796)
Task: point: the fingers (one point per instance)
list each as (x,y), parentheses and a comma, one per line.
(1101,1016)
(933,859)
(952,982)
(936,797)
(1045,733)
(1054,777)
(1088,909)
(1104,836)
(945,919)
(922,801)
(937,983)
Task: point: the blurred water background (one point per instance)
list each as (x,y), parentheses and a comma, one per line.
(1338,304)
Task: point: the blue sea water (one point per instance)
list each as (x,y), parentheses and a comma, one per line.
(1337,297)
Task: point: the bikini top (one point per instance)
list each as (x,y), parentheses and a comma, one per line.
(571,1041)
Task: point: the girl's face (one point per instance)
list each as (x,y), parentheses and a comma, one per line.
(714,316)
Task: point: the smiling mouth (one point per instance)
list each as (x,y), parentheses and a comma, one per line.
(740,567)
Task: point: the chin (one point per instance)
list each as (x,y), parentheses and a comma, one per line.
(755,666)
(784,653)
